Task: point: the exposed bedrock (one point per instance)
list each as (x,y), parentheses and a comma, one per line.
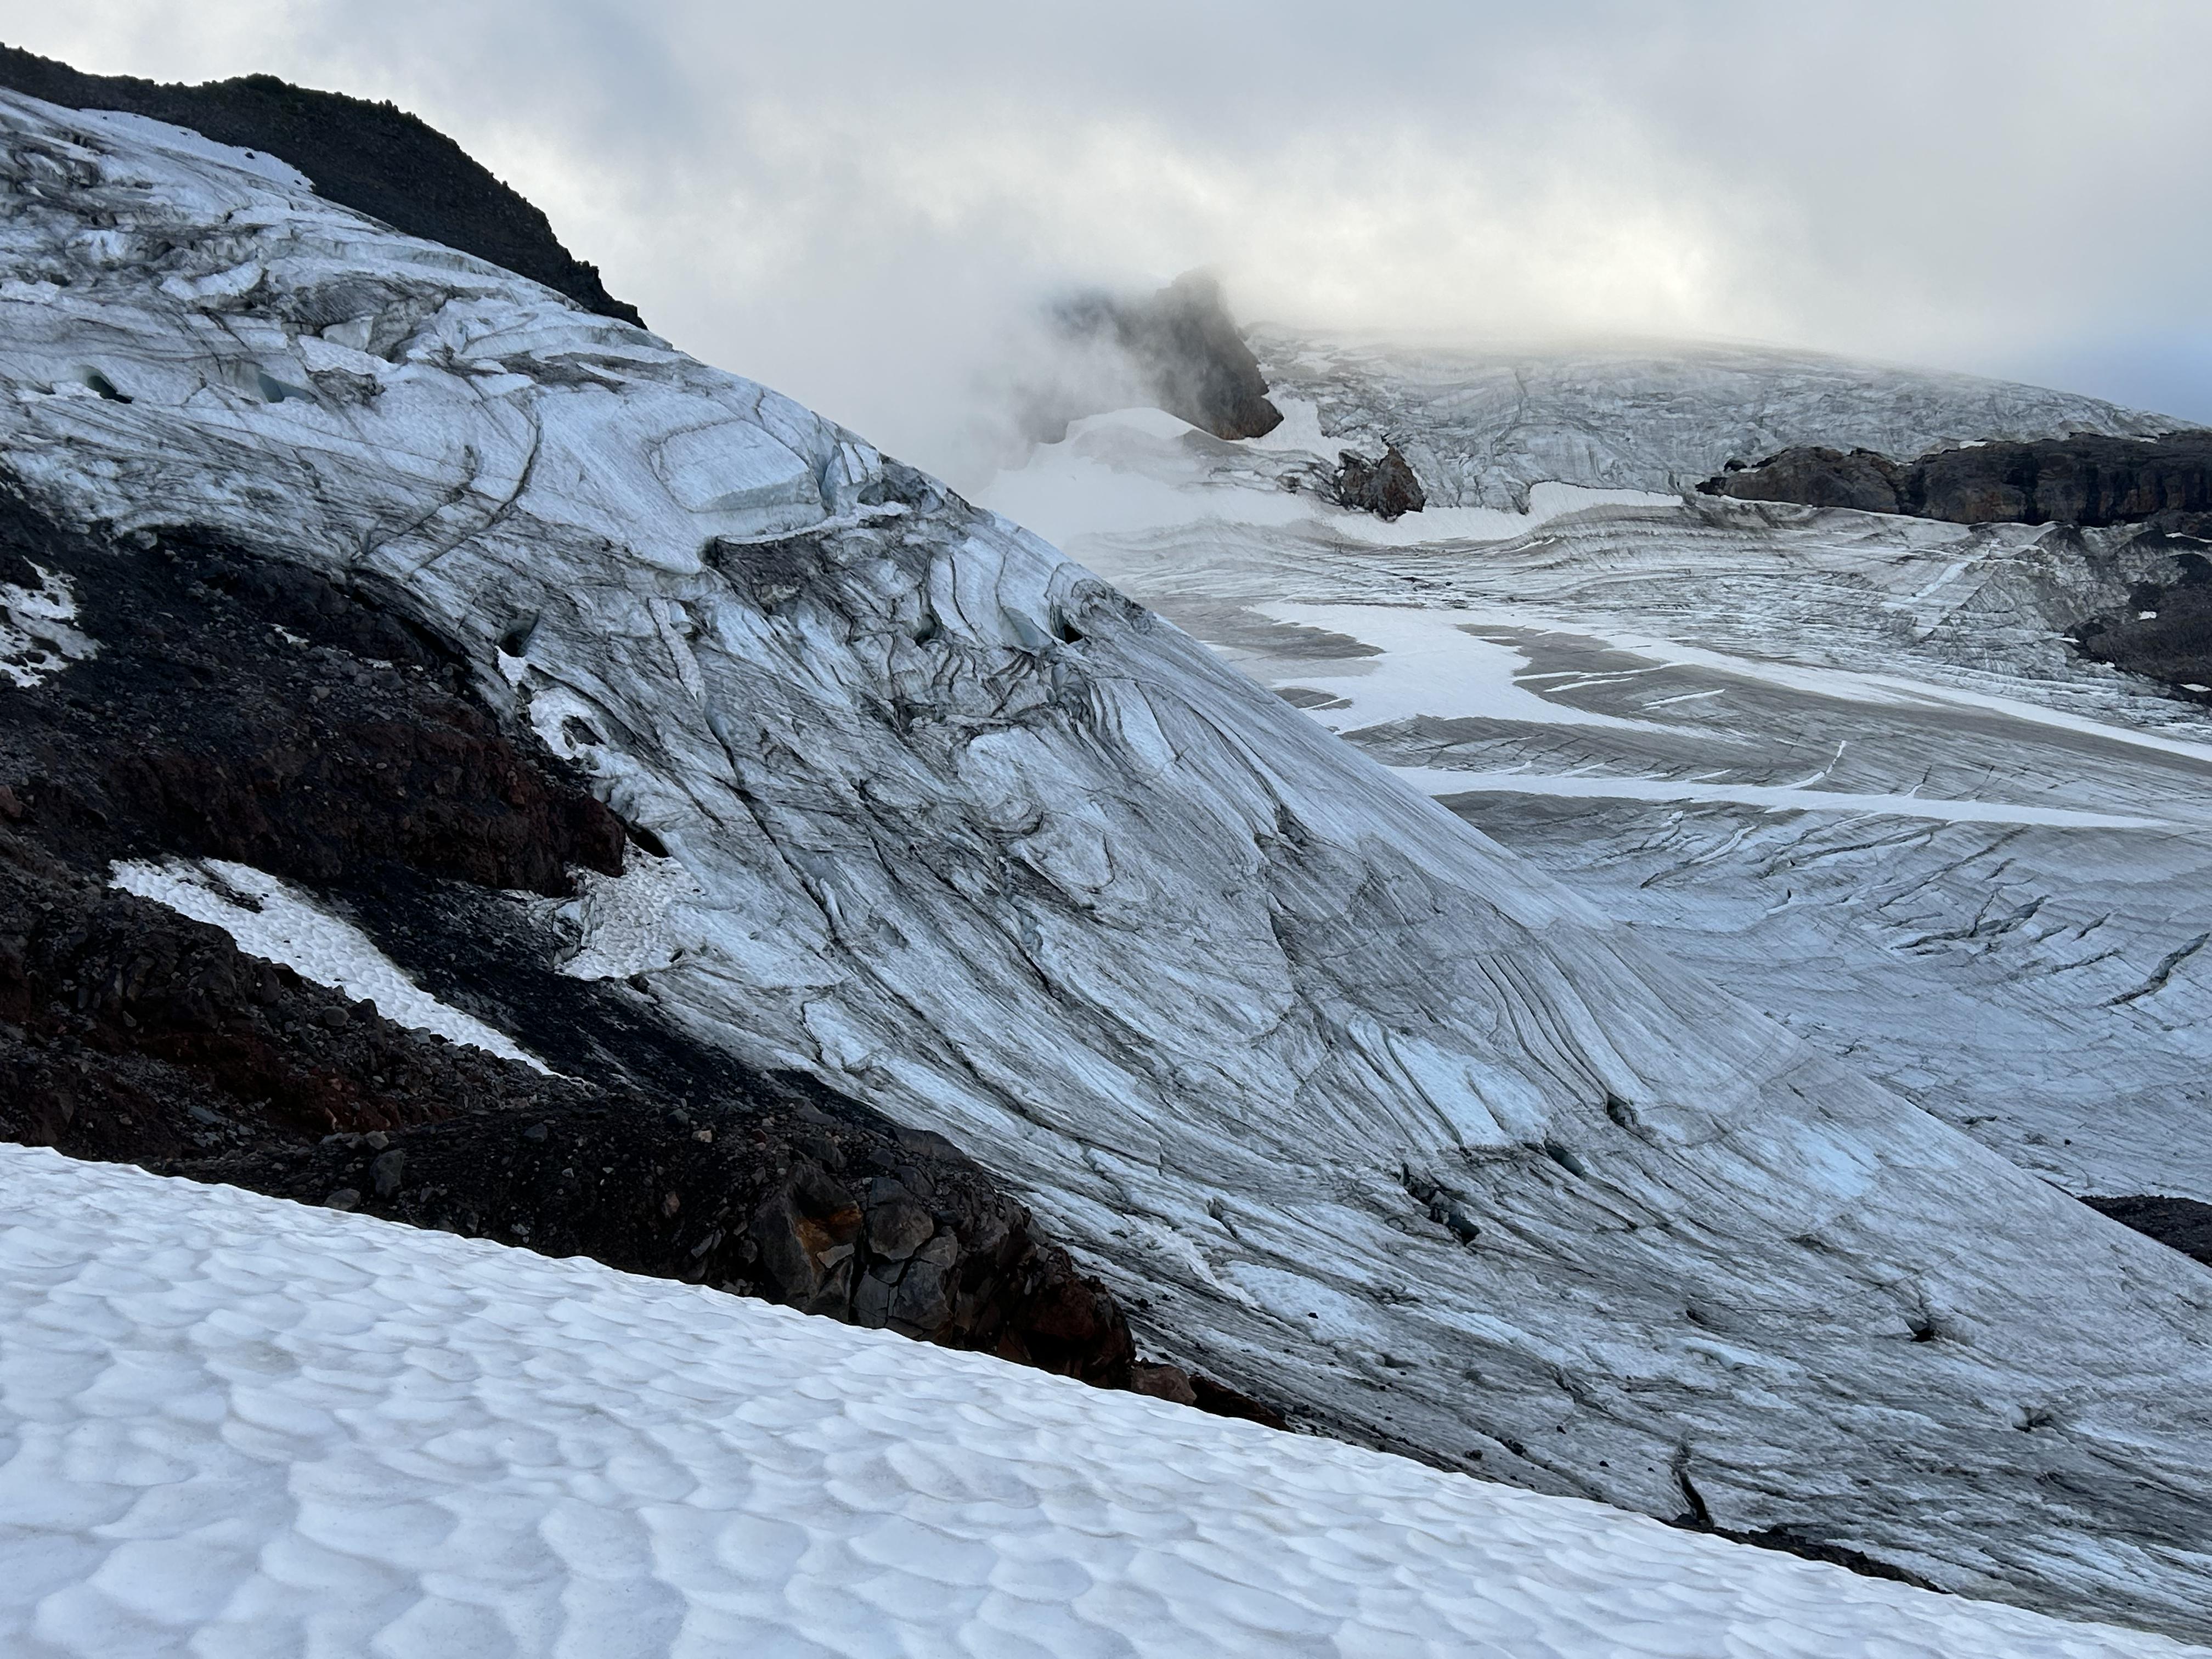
(1386,488)
(2164,631)
(243,709)
(1186,350)
(2086,479)
(373,157)
(2184,1223)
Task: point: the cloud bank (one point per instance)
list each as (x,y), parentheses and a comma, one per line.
(863,206)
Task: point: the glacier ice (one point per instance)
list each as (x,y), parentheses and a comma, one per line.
(1482,427)
(980,841)
(1797,688)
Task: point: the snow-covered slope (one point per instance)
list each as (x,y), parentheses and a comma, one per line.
(1265,1035)
(229,1424)
(1481,427)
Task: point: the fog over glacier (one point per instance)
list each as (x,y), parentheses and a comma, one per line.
(861,215)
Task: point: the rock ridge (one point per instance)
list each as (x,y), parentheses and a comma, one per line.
(371,157)
(2090,479)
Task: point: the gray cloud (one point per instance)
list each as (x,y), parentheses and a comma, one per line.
(861,204)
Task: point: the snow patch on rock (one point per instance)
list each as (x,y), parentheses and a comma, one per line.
(269,919)
(36,638)
(634,923)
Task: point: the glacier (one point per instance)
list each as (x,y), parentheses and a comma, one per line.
(1355,1105)
(1848,765)
(1482,427)
(233,1424)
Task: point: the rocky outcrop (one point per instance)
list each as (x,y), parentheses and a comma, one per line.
(371,157)
(2165,630)
(772,1195)
(2086,479)
(1386,488)
(2184,1223)
(244,709)
(1187,350)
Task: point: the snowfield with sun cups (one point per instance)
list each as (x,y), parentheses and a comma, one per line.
(230,1424)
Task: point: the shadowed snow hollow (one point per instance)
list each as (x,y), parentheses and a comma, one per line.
(1369,1115)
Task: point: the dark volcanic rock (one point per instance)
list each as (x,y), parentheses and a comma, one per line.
(1860,480)
(1188,350)
(241,708)
(372,158)
(2184,1223)
(2165,631)
(730,1194)
(2086,479)
(1386,488)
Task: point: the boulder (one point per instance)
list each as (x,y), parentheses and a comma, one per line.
(1386,488)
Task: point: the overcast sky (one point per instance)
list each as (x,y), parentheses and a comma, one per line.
(848,201)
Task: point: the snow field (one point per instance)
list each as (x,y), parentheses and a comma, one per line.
(233,1425)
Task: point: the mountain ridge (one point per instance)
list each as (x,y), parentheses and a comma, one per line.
(373,157)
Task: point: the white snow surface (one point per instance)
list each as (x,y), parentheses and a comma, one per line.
(982,843)
(269,919)
(36,638)
(634,923)
(233,1425)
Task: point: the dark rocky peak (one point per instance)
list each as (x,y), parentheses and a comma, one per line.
(1187,351)
(371,157)
(1386,488)
(2086,479)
